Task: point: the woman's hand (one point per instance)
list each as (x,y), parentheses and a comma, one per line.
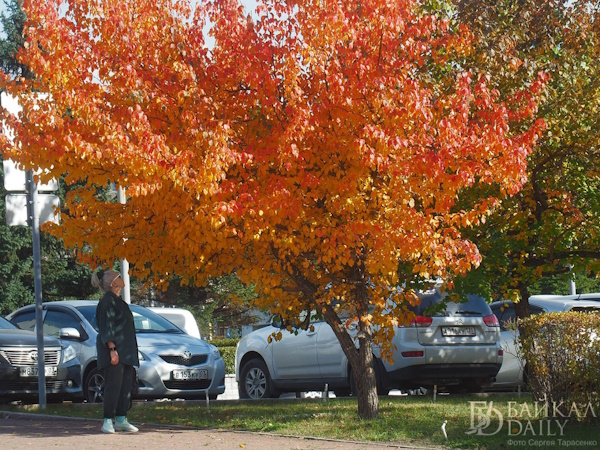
(114,357)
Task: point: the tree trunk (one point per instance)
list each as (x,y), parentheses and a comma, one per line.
(365,379)
(362,365)
(522,307)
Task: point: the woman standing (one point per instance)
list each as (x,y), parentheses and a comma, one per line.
(117,350)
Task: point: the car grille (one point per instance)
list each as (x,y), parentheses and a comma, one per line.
(187,385)
(194,360)
(28,357)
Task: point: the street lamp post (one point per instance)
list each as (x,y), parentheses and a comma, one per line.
(125,293)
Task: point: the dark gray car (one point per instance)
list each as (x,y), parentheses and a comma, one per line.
(19,366)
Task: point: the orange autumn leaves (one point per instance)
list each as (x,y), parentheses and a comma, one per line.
(307,147)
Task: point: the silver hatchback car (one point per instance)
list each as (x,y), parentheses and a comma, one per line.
(173,364)
(455,346)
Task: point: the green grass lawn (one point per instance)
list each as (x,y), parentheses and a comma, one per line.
(508,422)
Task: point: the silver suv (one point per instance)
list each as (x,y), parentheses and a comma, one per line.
(455,346)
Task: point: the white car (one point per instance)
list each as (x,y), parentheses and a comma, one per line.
(512,374)
(457,347)
(181,317)
(591,297)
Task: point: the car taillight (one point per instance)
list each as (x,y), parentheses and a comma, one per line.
(491,321)
(421,322)
(500,352)
(415,354)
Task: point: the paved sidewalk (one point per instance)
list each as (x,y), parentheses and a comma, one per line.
(20,431)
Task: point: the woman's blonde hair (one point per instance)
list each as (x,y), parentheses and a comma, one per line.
(103,278)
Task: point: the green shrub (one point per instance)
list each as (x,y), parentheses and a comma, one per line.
(562,351)
(227,349)
(225,342)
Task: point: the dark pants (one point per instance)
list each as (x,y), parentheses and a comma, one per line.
(117,390)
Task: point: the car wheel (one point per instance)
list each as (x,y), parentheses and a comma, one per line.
(343,392)
(474,388)
(353,390)
(94,386)
(379,383)
(255,381)
(526,376)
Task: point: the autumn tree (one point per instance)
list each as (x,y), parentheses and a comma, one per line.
(301,147)
(62,276)
(553,223)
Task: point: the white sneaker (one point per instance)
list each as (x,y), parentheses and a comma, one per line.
(125,426)
(107,427)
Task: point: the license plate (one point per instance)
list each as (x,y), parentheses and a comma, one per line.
(49,371)
(190,374)
(458,331)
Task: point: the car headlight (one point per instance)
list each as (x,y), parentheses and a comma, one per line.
(215,351)
(68,354)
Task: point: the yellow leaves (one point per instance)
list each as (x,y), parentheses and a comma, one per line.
(367,319)
(421,270)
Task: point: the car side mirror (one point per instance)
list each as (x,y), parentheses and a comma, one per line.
(69,333)
(277,321)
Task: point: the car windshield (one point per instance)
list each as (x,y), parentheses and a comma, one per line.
(432,304)
(145,320)
(6,325)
